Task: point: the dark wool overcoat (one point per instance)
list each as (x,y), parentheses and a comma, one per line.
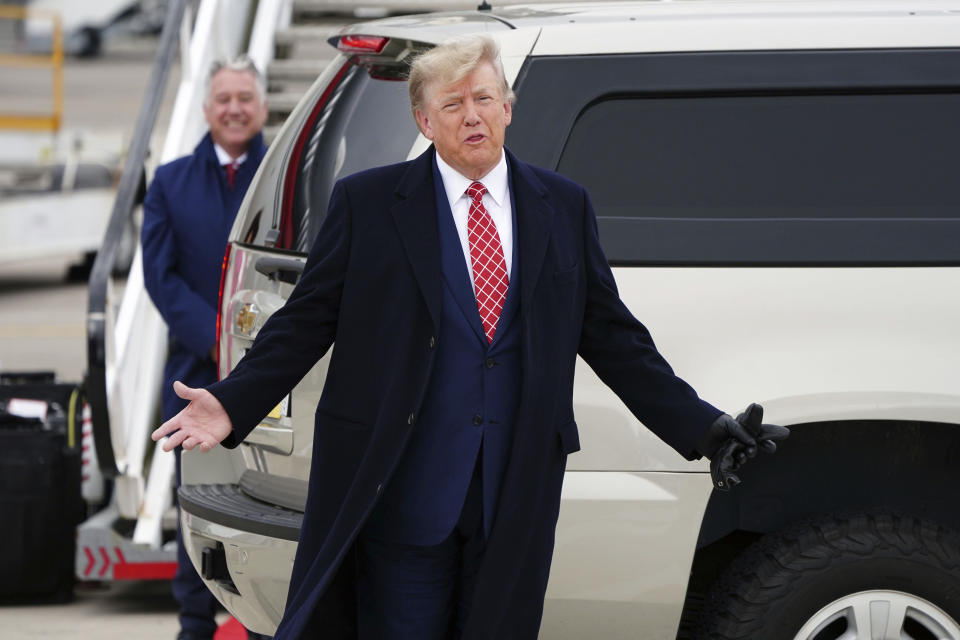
(187,216)
(372,287)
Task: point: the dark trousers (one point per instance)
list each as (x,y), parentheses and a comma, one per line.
(410,592)
(197,604)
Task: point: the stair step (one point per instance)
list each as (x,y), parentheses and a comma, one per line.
(270,133)
(283,101)
(295,69)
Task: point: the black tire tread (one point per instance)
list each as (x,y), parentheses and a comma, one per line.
(765,574)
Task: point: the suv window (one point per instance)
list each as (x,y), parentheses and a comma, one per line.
(755,158)
(365,122)
(750,157)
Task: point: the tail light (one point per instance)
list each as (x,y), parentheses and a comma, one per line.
(223,281)
(285,237)
(361,44)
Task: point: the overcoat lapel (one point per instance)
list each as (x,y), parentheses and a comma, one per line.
(212,174)
(534,222)
(415,215)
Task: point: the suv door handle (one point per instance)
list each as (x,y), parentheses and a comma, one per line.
(286,270)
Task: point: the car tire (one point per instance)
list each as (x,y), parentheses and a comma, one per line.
(823,580)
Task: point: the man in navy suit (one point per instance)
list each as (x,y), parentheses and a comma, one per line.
(457,290)
(188,213)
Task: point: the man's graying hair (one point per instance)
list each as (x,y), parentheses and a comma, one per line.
(240,63)
(451,62)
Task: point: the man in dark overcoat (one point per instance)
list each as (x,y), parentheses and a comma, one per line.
(457,290)
(187,216)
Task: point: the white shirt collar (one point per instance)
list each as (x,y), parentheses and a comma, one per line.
(455,183)
(225,158)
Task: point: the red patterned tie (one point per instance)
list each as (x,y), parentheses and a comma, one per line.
(490,279)
(231,173)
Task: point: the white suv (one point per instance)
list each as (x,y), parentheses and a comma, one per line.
(777,186)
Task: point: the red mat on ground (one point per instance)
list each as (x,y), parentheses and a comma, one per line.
(230,630)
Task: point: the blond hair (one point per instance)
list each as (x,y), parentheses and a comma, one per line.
(451,62)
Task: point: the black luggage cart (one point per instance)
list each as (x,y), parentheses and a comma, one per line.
(40,495)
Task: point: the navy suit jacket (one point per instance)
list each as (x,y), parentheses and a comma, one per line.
(187,217)
(373,287)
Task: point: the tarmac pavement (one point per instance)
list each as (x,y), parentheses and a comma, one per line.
(42,319)
(119,611)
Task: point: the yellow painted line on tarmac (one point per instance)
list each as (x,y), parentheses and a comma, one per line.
(12,331)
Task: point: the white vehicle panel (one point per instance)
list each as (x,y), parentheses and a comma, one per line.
(653,32)
(868,343)
(631,585)
(53,224)
(259,566)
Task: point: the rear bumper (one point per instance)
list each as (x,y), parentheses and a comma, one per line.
(258,542)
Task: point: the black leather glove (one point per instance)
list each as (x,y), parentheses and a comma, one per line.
(767,435)
(730,443)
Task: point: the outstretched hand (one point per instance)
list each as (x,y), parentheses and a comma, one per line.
(739,440)
(203,423)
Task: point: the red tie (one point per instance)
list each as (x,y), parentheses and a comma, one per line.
(490,279)
(231,172)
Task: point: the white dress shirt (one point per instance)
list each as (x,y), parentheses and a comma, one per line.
(225,158)
(496,201)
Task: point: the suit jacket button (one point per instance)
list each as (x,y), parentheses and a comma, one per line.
(379,488)
(433,342)
(478,419)
(410,419)
(490,363)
